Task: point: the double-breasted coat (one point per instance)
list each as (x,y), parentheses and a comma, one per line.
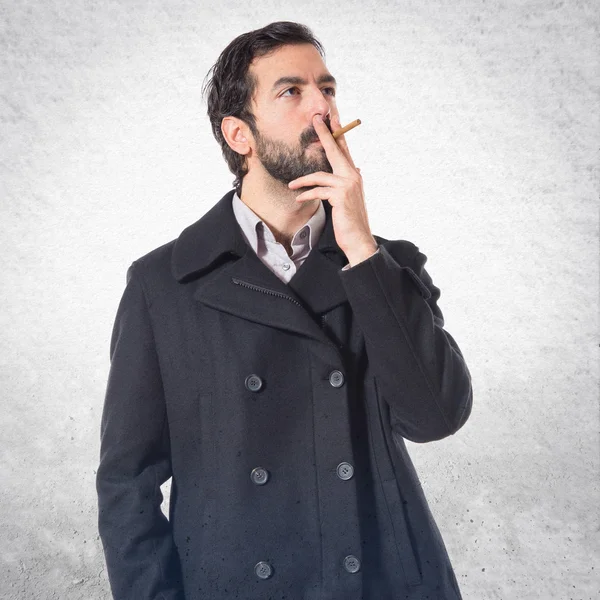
(280,412)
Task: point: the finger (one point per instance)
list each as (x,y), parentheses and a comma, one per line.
(335,154)
(319,193)
(341,140)
(318,178)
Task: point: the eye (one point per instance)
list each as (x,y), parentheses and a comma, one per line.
(330,89)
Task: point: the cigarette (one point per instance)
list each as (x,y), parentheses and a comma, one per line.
(336,134)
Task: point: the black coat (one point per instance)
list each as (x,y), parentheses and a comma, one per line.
(279,410)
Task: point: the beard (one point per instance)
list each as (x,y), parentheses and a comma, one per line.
(285,163)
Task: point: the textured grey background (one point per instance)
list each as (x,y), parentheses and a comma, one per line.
(479,139)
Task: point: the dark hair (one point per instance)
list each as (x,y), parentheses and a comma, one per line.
(232,85)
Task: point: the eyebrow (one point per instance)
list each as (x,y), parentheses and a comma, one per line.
(287,80)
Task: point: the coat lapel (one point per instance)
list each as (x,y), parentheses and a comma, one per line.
(227,274)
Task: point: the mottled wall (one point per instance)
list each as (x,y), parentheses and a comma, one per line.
(479,143)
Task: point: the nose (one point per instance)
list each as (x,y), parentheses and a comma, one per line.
(321,107)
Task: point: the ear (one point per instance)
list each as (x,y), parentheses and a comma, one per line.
(233,131)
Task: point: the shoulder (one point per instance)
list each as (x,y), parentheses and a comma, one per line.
(152,270)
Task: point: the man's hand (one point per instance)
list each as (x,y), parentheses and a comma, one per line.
(343,189)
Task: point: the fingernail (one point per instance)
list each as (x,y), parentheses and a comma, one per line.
(319,118)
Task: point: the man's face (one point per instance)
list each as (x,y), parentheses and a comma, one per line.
(284,112)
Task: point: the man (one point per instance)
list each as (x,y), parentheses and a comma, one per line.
(271,359)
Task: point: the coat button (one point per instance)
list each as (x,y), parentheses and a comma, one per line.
(254,383)
(336,378)
(351,563)
(345,471)
(259,476)
(263,569)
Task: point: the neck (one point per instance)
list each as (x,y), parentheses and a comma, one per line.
(276,205)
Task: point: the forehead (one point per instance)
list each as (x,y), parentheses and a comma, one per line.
(288,61)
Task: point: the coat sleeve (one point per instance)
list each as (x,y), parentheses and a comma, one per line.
(141,558)
(418,366)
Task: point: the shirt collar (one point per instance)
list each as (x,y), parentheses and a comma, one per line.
(252,225)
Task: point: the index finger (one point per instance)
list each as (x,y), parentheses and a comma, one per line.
(341,139)
(334,153)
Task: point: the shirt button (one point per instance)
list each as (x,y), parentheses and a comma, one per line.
(254,383)
(345,471)
(351,563)
(336,378)
(303,234)
(259,476)
(286,266)
(263,569)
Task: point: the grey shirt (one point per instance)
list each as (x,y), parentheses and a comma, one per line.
(269,250)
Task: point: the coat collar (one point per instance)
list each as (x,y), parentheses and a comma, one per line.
(217,234)
(229,276)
